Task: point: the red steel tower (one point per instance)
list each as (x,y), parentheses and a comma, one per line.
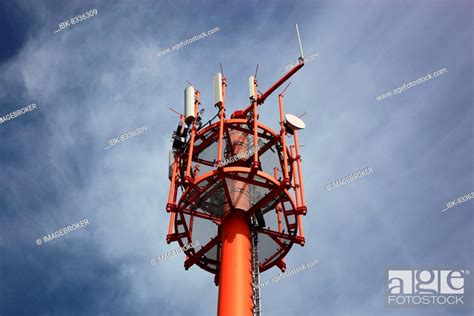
(237,189)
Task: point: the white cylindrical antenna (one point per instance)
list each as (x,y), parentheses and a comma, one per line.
(252,92)
(189,104)
(218,98)
(299,41)
(170,164)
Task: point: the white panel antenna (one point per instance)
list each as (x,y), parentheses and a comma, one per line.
(252,92)
(218,97)
(189,99)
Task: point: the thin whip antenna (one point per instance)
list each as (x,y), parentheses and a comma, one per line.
(299,41)
(256,71)
(175,111)
(189,82)
(222,70)
(303,114)
(283,92)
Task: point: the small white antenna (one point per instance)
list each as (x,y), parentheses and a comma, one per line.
(299,41)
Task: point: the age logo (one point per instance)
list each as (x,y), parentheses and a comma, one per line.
(428,287)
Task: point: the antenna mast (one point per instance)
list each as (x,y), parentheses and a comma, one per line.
(246,219)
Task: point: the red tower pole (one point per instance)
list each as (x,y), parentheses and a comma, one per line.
(235,288)
(235,279)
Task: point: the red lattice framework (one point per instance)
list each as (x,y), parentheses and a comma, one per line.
(237,164)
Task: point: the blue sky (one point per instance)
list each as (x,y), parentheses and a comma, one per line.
(100,78)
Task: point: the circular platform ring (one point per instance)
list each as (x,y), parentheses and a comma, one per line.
(204,199)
